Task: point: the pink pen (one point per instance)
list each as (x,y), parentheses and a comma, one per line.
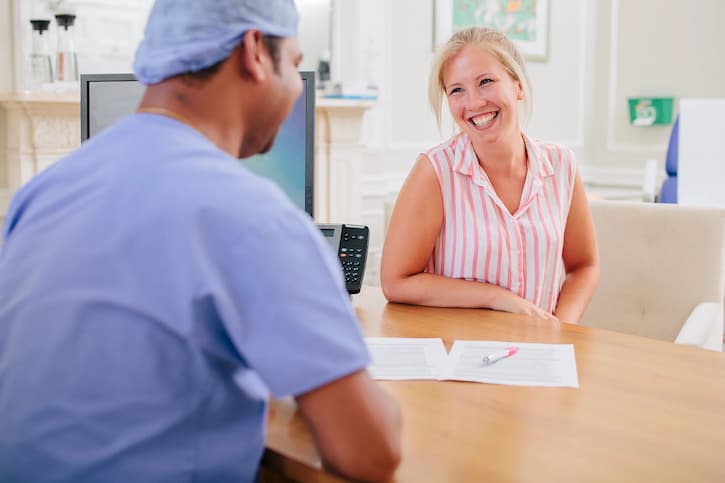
(497,356)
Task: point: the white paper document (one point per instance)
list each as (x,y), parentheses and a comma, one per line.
(551,365)
(400,359)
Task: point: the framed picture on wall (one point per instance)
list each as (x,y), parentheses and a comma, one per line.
(525,22)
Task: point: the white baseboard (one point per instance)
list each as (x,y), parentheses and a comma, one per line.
(623,183)
(615,177)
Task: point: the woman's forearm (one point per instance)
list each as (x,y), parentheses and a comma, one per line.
(576,293)
(440,291)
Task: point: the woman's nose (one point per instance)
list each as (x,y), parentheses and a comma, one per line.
(476,99)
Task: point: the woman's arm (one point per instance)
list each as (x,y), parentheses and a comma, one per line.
(412,233)
(581,259)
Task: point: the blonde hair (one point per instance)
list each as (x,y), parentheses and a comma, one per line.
(494,42)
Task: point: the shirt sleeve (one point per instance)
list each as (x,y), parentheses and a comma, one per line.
(281,297)
(571,171)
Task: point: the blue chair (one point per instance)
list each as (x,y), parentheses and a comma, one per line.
(668,194)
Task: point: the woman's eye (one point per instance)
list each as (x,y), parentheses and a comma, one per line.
(454,91)
(486,81)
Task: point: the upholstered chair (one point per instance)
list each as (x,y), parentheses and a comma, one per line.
(662,272)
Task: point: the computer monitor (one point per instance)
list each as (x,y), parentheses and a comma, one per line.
(106,98)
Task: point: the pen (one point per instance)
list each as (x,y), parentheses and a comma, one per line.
(497,356)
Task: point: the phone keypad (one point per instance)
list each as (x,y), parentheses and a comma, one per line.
(353,248)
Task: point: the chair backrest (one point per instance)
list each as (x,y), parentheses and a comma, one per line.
(668,194)
(701,152)
(672,149)
(658,262)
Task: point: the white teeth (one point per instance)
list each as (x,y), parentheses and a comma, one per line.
(484,119)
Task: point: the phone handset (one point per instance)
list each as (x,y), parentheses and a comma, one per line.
(350,243)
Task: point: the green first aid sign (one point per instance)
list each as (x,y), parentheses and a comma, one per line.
(650,111)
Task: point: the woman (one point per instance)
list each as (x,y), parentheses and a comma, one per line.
(490,218)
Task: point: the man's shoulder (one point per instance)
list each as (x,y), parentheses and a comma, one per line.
(174,160)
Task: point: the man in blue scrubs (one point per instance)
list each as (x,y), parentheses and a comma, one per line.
(154,293)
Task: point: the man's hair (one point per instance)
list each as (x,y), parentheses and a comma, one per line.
(271,43)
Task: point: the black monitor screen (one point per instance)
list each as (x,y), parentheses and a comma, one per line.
(106,98)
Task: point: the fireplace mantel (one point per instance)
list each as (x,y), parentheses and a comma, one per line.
(42,127)
(39,129)
(339,153)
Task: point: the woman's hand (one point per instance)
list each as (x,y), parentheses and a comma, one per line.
(518,305)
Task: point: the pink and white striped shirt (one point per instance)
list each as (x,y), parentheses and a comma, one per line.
(481,240)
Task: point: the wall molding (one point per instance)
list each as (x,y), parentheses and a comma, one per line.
(4,202)
(40,128)
(583,46)
(21,39)
(382,185)
(584,41)
(612,145)
(638,184)
(378,196)
(387,87)
(419,147)
(612,91)
(613,177)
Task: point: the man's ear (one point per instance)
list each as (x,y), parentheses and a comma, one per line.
(253,56)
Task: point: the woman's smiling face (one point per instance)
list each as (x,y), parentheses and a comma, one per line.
(482,95)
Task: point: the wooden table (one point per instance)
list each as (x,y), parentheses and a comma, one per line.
(645,411)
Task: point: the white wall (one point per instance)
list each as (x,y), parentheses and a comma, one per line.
(106,32)
(6,80)
(314,31)
(6,46)
(600,52)
(560,85)
(651,48)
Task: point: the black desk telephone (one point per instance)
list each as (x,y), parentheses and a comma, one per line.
(350,243)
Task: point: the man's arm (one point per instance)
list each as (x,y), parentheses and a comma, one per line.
(355,425)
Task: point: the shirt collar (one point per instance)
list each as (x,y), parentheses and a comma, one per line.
(539,162)
(466,162)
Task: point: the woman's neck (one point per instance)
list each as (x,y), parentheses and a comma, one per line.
(504,156)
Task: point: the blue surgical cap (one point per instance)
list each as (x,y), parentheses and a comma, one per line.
(189,35)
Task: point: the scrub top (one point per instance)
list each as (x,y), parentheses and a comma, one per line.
(153,294)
